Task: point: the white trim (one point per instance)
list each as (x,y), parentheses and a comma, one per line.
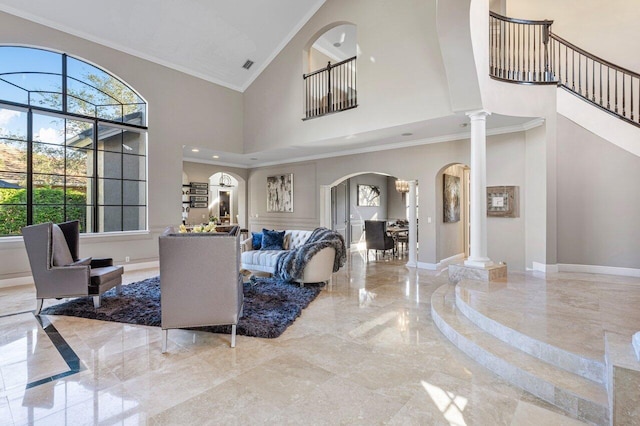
(452,259)
(444,263)
(128,267)
(599,269)
(216,163)
(429,266)
(544,268)
(418,142)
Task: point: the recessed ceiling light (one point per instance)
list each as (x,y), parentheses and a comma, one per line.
(407,134)
(195,150)
(337,44)
(216,156)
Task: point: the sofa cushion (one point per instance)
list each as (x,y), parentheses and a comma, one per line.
(100,276)
(256,240)
(272,240)
(61,253)
(265,259)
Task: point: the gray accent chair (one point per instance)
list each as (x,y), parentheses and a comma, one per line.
(58,271)
(200,281)
(376,238)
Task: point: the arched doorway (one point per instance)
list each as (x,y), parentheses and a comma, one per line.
(452,213)
(225,200)
(330,63)
(365,196)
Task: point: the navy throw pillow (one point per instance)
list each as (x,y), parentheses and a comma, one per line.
(256,240)
(272,240)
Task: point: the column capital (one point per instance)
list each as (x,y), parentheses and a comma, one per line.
(479,114)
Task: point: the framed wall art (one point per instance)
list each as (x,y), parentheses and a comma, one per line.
(451,198)
(368,196)
(503,201)
(280,193)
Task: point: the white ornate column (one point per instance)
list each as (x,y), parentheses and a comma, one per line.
(478,254)
(413,225)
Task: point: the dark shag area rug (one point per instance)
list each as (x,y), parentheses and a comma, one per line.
(270,306)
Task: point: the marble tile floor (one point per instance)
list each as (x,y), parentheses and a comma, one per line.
(364,352)
(571,311)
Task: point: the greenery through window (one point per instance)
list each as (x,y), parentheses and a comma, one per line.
(73,144)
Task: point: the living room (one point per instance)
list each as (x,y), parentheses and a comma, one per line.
(410,123)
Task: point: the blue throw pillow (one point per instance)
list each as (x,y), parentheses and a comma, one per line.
(256,240)
(272,240)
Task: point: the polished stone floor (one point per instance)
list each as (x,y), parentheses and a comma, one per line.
(364,352)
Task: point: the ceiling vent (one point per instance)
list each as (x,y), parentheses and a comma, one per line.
(247,64)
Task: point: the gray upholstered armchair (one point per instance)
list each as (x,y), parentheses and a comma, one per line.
(57,269)
(200,281)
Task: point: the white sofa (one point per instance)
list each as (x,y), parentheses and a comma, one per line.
(319,268)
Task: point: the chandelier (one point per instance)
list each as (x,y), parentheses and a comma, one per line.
(225,181)
(402,186)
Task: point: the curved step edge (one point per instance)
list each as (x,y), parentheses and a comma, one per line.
(588,368)
(575,405)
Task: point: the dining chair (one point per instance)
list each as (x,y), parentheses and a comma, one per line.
(376,237)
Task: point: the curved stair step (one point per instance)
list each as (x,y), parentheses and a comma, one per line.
(586,367)
(579,397)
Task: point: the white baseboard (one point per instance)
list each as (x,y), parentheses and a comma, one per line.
(442,264)
(429,266)
(28,280)
(542,267)
(143,265)
(598,269)
(588,269)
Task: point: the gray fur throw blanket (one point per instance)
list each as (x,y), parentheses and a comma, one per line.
(290,263)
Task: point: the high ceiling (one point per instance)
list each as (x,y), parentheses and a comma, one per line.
(212,39)
(209,39)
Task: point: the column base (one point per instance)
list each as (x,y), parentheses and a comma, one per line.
(459,272)
(479,262)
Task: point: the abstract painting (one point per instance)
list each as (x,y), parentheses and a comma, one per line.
(451,199)
(280,193)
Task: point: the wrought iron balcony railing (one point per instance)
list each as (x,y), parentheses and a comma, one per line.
(331,89)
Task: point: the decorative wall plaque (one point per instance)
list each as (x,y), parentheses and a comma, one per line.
(503,201)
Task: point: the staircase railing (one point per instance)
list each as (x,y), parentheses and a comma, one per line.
(519,50)
(601,83)
(527,52)
(331,89)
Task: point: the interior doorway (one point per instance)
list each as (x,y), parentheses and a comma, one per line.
(224,206)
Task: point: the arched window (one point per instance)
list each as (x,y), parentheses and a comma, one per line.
(330,85)
(73,144)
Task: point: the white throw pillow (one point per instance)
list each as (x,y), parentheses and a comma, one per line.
(61,253)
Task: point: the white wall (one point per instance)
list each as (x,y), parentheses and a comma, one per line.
(506,158)
(401,78)
(305,213)
(598,200)
(608,29)
(182,110)
(422,163)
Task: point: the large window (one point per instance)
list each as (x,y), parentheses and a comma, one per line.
(73,144)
